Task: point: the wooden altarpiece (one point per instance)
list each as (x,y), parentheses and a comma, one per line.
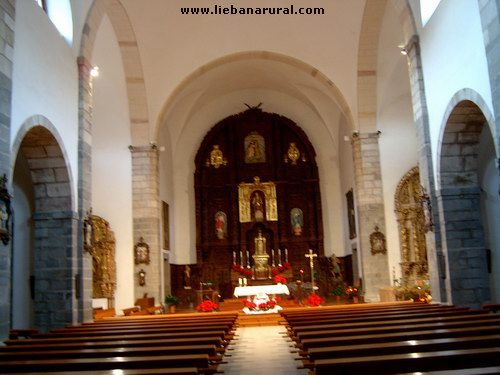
(255,172)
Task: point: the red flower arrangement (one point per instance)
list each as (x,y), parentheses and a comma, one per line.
(314,300)
(280,279)
(207,306)
(352,291)
(277,270)
(264,306)
(242,270)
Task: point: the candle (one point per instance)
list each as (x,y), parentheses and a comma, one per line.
(272,257)
(234,257)
(286,255)
(245,281)
(240,282)
(241,258)
(248,259)
(279,257)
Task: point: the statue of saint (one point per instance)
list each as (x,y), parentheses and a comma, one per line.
(260,244)
(258,206)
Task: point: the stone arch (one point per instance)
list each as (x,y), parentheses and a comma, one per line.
(134,77)
(459,199)
(54,221)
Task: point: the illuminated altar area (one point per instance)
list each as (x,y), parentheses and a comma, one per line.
(258,204)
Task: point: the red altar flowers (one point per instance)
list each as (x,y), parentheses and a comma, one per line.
(242,270)
(262,306)
(278,279)
(207,306)
(314,300)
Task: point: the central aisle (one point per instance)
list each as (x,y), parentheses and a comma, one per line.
(261,351)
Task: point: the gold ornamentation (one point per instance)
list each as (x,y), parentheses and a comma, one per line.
(293,153)
(410,213)
(101,245)
(216,158)
(261,258)
(255,148)
(245,191)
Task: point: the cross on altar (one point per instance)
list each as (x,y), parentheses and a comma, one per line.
(311,257)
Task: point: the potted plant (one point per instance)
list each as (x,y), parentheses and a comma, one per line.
(172,301)
(338,292)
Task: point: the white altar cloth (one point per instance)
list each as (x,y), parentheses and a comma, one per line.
(254,290)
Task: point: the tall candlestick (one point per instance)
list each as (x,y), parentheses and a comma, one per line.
(234,257)
(248,259)
(286,255)
(241,258)
(272,258)
(279,257)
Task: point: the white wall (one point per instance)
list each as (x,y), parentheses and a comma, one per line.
(453,58)
(45,80)
(397,142)
(111,158)
(23,205)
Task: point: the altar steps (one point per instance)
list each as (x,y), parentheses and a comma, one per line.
(259,320)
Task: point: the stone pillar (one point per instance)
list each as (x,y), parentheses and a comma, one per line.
(7,20)
(146,214)
(435,257)
(370,205)
(490,19)
(55,266)
(464,238)
(84,183)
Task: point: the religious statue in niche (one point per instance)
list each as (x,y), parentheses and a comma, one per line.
(255,148)
(220,225)
(377,242)
(141,252)
(297,221)
(258,206)
(425,202)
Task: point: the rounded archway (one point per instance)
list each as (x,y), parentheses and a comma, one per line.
(45,228)
(467,181)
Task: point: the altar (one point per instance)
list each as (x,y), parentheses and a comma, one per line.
(258,289)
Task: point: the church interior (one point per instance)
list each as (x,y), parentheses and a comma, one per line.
(164,153)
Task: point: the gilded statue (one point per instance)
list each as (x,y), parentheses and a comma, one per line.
(261,258)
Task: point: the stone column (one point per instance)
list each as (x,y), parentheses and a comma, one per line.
(435,257)
(55,261)
(7,20)
(146,214)
(84,183)
(490,19)
(370,206)
(464,238)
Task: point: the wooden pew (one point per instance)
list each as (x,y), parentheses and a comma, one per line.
(487,320)
(210,350)
(70,339)
(421,361)
(152,371)
(399,347)
(200,361)
(128,343)
(295,330)
(366,338)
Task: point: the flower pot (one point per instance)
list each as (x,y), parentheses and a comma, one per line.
(171,309)
(355,299)
(337,299)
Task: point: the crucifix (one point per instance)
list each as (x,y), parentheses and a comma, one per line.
(311,257)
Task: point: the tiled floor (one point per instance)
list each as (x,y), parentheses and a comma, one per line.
(261,351)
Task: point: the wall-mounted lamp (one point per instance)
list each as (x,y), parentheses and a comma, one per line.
(142,277)
(94,72)
(5,211)
(403,50)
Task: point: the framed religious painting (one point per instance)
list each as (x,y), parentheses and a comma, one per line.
(351,216)
(141,252)
(165,225)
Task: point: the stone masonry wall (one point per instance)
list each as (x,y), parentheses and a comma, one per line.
(370,204)
(146,214)
(7,20)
